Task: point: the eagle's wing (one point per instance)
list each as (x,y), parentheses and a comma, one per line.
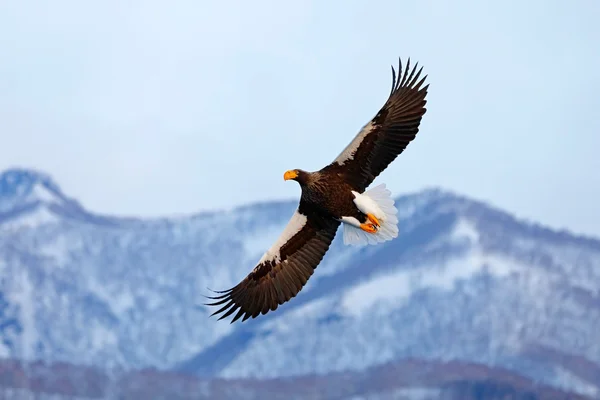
(381,140)
(284,269)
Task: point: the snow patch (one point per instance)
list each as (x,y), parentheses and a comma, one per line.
(400,285)
(22,295)
(4,350)
(57,250)
(309,311)
(466,229)
(102,337)
(335,261)
(260,241)
(386,288)
(571,382)
(41,193)
(119,302)
(34,219)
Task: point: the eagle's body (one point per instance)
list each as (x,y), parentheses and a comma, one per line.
(328,194)
(334,195)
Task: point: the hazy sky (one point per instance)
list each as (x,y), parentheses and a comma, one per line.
(155,108)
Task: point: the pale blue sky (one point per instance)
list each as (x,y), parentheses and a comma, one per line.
(155,108)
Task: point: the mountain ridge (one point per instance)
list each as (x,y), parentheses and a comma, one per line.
(425,191)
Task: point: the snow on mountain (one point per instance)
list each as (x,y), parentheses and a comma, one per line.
(463,281)
(22,189)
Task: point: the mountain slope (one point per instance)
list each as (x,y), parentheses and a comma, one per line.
(462,282)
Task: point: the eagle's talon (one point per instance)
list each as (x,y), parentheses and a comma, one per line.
(371,228)
(373,220)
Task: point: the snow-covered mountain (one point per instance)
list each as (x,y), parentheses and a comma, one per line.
(464,281)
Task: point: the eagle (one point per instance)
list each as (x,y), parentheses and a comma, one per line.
(334,195)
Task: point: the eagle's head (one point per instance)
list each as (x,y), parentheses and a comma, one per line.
(297,175)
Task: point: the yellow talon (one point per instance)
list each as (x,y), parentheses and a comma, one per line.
(373,220)
(371,228)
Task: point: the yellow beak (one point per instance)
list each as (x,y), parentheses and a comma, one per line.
(290,175)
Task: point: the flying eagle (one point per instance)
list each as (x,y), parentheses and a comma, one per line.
(332,196)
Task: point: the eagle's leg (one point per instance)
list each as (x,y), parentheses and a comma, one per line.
(373,220)
(368,227)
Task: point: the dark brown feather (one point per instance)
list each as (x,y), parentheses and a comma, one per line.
(273,283)
(393,128)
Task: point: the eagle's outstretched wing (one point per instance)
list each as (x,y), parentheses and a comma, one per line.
(381,140)
(284,269)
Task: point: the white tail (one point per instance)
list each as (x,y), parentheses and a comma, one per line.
(376,201)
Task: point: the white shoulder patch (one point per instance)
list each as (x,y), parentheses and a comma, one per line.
(296,223)
(348,152)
